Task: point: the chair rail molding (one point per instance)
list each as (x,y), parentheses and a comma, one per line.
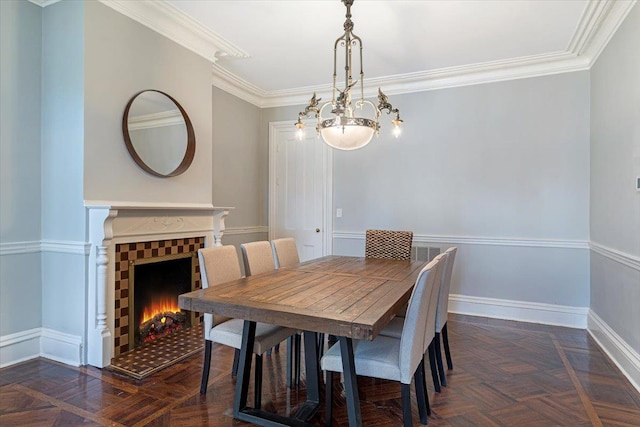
(616,255)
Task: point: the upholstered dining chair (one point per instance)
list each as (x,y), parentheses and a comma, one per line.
(392,358)
(218,265)
(395,326)
(285,253)
(259,258)
(388,244)
(442,313)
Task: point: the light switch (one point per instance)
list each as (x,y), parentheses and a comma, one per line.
(339,213)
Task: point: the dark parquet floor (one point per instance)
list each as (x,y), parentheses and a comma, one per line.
(505,374)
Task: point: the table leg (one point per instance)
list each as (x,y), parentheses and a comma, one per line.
(350,382)
(244,371)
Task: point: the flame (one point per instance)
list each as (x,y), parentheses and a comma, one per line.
(158,306)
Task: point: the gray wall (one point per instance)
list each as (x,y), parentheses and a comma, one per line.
(63,217)
(615,164)
(503,161)
(123,57)
(20,230)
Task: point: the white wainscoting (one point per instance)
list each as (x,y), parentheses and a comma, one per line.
(625,357)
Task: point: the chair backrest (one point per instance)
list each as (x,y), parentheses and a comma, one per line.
(388,244)
(218,264)
(285,252)
(258,257)
(413,331)
(432,307)
(445,286)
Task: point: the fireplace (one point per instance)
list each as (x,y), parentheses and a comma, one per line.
(154,286)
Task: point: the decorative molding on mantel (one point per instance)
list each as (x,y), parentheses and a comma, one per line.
(616,255)
(110,204)
(477,240)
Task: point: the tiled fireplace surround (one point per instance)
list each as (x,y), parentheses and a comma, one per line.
(118,231)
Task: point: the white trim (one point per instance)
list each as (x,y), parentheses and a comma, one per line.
(18,347)
(156,120)
(598,23)
(117,204)
(61,347)
(522,311)
(166,19)
(40,342)
(16,248)
(616,255)
(621,353)
(44,3)
(230,231)
(478,240)
(66,247)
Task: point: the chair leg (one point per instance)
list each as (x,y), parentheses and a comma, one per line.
(297,359)
(421,392)
(257,394)
(236,359)
(320,346)
(205,367)
(443,377)
(289,361)
(434,371)
(407,418)
(445,341)
(328,394)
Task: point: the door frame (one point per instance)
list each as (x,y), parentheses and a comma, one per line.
(327,185)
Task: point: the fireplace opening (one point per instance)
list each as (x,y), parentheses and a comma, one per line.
(154,285)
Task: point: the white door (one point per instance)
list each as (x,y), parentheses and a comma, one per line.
(299,183)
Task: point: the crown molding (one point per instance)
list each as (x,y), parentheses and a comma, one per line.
(44,3)
(154,120)
(596,26)
(176,25)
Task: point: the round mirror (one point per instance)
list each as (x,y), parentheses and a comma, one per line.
(158,133)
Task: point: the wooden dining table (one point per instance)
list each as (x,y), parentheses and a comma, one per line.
(348,297)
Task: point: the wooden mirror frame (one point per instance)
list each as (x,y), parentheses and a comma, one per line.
(191,138)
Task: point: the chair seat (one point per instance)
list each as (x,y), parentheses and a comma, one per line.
(379,358)
(267,335)
(394,328)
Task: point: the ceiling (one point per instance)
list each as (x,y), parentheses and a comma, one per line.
(278,52)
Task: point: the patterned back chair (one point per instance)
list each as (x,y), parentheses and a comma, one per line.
(388,244)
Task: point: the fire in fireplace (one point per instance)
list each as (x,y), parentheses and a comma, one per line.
(154,285)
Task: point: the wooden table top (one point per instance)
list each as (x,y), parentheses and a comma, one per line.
(342,296)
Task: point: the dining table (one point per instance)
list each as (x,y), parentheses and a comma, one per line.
(350,298)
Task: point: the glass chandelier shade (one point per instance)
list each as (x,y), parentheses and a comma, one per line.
(346,130)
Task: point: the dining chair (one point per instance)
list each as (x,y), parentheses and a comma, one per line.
(392,358)
(395,326)
(218,265)
(442,314)
(388,244)
(259,258)
(285,253)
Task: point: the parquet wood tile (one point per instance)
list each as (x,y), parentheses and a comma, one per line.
(506,374)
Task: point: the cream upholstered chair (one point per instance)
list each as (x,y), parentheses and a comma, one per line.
(218,265)
(388,244)
(392,358)
(259,258)
(441,314)
(394,328)
(285,252)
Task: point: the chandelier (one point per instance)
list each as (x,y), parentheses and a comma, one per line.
(346,130)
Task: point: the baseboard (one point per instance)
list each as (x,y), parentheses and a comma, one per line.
(40,342)
(61,347)
(522,311)
(18,347)
(624,357)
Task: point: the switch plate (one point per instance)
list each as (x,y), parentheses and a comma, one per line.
(339,213)
(638,183)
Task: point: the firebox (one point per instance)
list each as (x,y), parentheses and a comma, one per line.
(154,286)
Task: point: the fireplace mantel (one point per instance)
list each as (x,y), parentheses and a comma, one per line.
(112,223)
